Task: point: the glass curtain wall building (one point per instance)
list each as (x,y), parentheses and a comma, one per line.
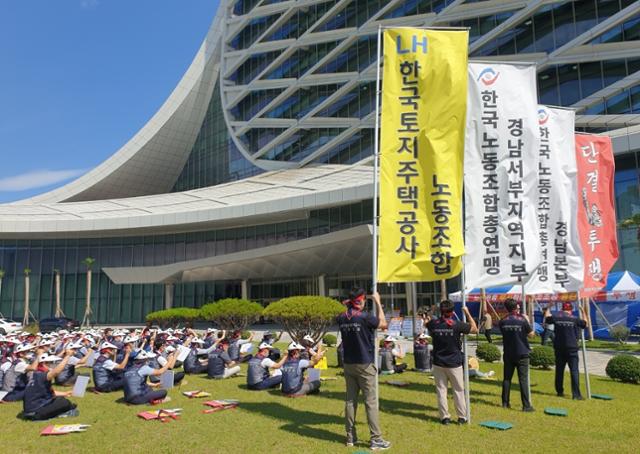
(254,178)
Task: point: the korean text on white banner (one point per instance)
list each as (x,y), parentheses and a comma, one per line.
(500,175)
(562,267)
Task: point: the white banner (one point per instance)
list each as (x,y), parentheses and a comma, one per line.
(561,268)
(500,175)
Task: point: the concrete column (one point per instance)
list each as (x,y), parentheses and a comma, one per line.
(322,287)
(244,289)
(168,296)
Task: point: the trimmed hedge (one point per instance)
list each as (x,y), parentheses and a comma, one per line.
(174,316)
(625,368)
(542,356)
(232,314)
(329,340)
(488,352)
(620,333)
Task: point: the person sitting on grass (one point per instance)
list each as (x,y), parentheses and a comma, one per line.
(41,402)
(307,343)
(136,389)
(220,364)
(293,381)
(389,352)
(68,376)
(235,343)
(15,378)
(163,352)
(422,351)
(107,374)
(258,377)
(269,338)
(474,369)
(191,363)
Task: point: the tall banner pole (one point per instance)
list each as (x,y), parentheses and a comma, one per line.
(376,167)
(443,290)
(532,322)
(465,364)
(587,303)
(584,351)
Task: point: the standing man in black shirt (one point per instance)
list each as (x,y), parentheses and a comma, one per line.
(565,345)
(448,359)
(516,330)
(357,329)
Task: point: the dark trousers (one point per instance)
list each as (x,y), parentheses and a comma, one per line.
(113,385)
(547,336)
(148,397)
(177,377)
(267,383)
(14,396)
(487,334)
(564,357)
(57,406)
(399,368)
(522,366)
(198,369)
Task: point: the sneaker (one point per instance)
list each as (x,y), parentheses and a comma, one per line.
(528,409)
(352,439)
(578,398)
(445,421)
(506,405)
(560,394)
(490,373)
(462,421)
(70,414)
(379,445)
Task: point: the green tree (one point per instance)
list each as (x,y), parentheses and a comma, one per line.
(305,315)
(173,317)
(232,314)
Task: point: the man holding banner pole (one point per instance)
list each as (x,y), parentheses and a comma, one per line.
(448,359)
(357,329)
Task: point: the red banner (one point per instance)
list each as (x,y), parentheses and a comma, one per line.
(596,209)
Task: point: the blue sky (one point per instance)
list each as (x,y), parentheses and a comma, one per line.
(78,78)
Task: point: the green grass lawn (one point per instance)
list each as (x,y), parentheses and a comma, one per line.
(268,422)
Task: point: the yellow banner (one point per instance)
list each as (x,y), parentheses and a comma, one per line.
(424,101)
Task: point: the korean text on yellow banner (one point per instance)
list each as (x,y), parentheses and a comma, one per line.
(424,96)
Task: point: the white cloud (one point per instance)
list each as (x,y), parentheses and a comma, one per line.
(37,179)
(89,4)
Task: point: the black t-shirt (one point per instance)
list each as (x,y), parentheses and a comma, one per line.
(447,346)
(514,329)
(567,329)
(357,331)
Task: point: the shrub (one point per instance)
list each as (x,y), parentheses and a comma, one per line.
(302,315)
(488,352)
(625,368)
(174,316)
(619,332)
(329,340)
(542,356)
(245,335)
(232,314)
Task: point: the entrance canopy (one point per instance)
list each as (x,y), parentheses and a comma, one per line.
(343,252)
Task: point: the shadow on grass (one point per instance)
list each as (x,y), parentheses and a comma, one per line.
(298,422)
(394,407)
